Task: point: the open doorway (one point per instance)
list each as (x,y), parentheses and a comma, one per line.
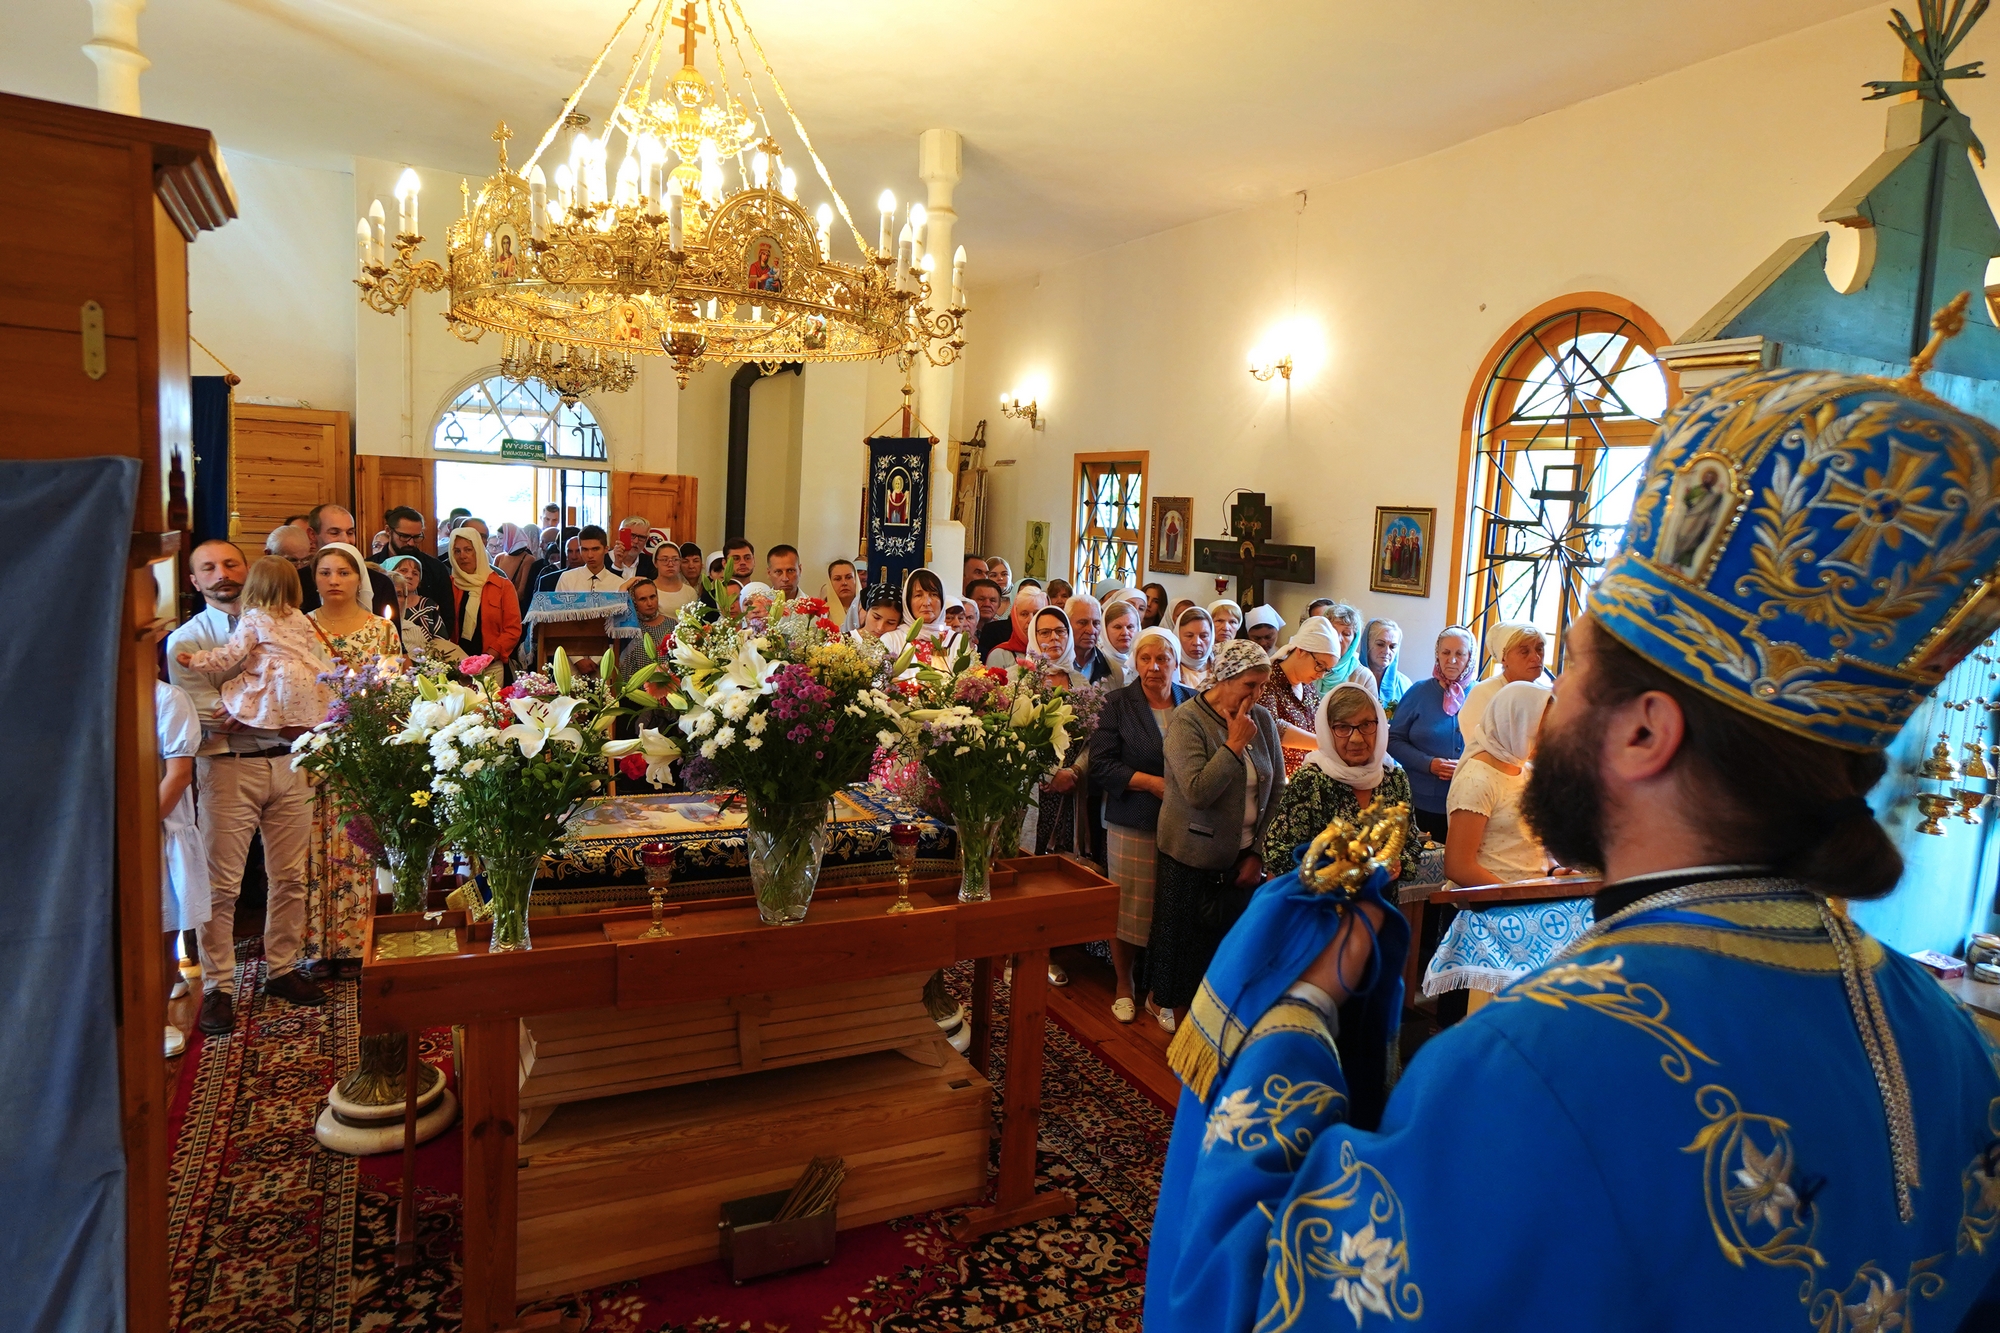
(517,492)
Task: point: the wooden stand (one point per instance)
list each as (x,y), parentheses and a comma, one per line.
(579,638)
(719,949)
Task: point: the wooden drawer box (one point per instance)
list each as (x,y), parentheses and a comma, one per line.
(625,1186)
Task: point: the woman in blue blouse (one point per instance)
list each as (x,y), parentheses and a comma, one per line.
(1424,736)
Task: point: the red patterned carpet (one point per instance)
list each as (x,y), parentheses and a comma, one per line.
(268,1231)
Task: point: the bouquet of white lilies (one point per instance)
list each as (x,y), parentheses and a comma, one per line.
(509,767)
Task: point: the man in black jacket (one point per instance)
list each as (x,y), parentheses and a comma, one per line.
(406,537)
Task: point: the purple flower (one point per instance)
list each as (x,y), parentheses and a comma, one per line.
(361,832)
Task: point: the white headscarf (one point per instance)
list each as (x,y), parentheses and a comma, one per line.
(935,629)
(1067,659)
(1264,614)
(1164,635)
(1123,661)
(1507,728)
(1502,635)
(1218,604)
(1361,777)
(1314,635)
(470,584)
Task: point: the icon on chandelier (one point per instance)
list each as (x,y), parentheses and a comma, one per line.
(765,273)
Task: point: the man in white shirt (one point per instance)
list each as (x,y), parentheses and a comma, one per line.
(594,574)
(246,785)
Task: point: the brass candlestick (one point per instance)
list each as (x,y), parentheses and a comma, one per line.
(903,846)
(658,859)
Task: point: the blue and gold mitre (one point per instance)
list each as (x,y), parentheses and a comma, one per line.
(1815,548)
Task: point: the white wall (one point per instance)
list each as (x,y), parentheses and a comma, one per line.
(1667,193)
(271,293)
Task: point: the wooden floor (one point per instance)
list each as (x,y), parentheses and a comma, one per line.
(1137,1050)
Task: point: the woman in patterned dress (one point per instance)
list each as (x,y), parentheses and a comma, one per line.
(340,877)
(1293,693)
(1347,769)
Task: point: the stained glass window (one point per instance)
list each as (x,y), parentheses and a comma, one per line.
(1110,519)
(1563,428)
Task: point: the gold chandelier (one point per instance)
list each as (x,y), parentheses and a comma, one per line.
(586,268)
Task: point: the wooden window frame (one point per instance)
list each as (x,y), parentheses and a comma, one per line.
(1081,534)
(1490,397)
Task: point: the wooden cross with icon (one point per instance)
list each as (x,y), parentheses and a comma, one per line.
(688,26)
(1247,555)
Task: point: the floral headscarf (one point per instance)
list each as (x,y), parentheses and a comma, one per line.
(1234,658)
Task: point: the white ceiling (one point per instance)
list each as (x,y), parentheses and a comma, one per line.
(1086,123)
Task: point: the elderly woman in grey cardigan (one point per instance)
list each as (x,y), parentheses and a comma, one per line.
(1225,773)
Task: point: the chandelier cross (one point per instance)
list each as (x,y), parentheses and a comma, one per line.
(501,136)
(687,24)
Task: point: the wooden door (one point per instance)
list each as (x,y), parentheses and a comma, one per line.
(385,481)
(283,461)
(661,498)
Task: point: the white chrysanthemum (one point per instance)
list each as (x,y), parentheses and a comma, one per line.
(725,738)
(471,766)
(753,742)
(757,723)
(708,748)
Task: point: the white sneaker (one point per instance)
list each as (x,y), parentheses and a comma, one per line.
(180,989)
(176,1041)
(1123,1009)
(1166,1017)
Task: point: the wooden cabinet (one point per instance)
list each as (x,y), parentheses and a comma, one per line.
(94,326)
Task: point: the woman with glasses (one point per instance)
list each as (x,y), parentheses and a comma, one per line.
(1425,738)
(1348,768)
(1293,694)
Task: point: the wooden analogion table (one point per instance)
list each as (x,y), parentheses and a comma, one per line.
(420,974)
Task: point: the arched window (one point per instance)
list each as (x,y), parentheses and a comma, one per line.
(1556,436)
(504,450)
(490,412)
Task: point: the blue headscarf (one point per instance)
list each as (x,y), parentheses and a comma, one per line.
(1286,926)
(1349,659)
(1392,681)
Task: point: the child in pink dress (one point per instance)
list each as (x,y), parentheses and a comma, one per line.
(279,650)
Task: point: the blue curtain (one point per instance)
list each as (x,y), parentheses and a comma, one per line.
(209,515)
(62,1153)
(899,473)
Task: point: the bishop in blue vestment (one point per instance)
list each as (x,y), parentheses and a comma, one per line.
(1725,1107)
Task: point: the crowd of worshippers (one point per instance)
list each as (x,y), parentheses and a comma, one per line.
(1225,741)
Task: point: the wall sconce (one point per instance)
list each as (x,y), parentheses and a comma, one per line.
(1264,366)
(1013,405)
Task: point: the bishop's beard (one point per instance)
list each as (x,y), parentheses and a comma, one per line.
(1564,798)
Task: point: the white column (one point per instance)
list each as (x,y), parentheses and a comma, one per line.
(940,165)
(114,48)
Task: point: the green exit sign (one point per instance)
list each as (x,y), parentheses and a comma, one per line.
(527,451)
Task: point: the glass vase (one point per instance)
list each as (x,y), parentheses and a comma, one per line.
(786,845)
(979,840)
(410,872)
(510,879)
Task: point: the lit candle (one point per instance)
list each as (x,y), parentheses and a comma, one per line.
(628,182)
(565,189)
(887,203)
(958,278)
(761,165)
(824,216)
(378,222)
(903,247)
(579,161)
(600,150)
(538,202)
(674,216)
(919,218)
(407,186)
(364,246)
(788,181)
